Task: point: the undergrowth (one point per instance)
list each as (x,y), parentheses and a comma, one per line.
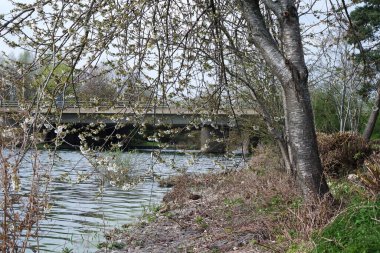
(356,229)
(357,226)
(341,153)
(261,209)
(265,202)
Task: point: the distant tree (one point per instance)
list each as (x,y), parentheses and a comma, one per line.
(17,77)
(364,32)
(338,80)
(96,84)
(132,89)
(326,119)
(55,83)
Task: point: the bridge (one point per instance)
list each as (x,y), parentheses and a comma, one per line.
(85,112)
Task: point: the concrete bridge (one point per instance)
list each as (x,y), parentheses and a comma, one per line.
(211,123)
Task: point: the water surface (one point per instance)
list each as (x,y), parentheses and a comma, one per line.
(82,211)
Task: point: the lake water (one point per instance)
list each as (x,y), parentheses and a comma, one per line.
(81,212)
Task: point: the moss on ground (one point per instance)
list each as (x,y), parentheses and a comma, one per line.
(356,229)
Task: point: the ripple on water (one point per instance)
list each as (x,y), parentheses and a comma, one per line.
(80,214)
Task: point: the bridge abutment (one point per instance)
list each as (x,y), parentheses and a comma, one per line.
(6,121)
(212,140)
(239,141)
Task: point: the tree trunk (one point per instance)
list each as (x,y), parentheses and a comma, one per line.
(285,156)
(372,118)
(288,65)
(304,155)
(342,115)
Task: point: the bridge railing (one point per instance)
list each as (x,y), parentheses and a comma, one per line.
(79,104)
(9,103)
(100,106)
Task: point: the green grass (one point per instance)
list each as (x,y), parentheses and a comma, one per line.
(67,250)
(347,191)
(356,230)
(201,222)
(150,213)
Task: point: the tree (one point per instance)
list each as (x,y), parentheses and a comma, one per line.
(181,48)
(97,84)
(17,77)
(288,65)
(59,80)
(364,32)
(337,82)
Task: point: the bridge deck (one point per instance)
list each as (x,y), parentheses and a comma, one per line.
(117,108)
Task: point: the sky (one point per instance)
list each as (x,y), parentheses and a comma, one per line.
(5,8)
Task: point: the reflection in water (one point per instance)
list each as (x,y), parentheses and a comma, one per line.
(80,213)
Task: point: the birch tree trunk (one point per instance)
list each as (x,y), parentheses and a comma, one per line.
(288,65)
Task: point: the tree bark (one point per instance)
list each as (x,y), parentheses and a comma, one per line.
(290,68)
(372,118)
(304,155)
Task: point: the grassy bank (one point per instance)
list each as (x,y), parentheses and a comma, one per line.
(258,209)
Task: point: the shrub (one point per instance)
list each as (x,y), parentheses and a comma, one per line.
(355,230)
(375,145)
(341,153)
(371,177)
(267,157)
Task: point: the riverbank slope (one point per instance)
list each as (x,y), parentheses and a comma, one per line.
(257,209)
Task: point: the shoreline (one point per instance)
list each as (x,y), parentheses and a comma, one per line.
(214,212)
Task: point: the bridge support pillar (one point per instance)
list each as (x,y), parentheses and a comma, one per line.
(212,140)
(2,120)
(6,121)
(239,141)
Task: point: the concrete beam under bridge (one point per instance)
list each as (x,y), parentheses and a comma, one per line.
(159,116)
(142,115)
(208,139)
(212,140)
